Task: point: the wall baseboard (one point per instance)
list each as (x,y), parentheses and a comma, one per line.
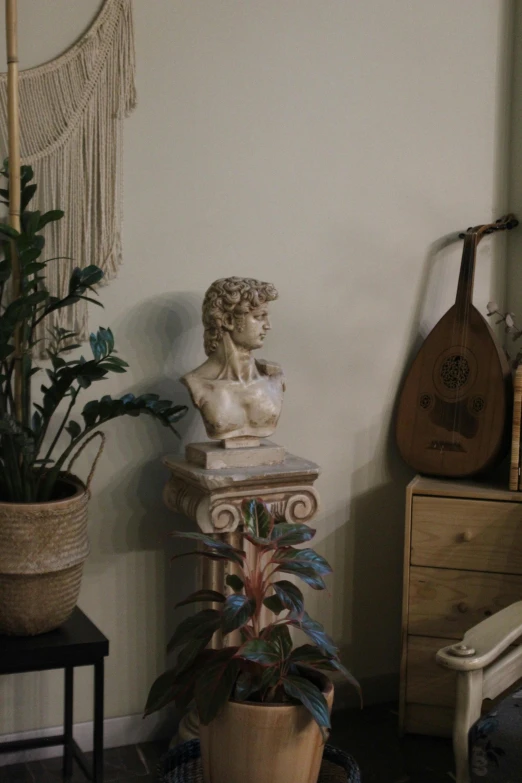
(127,730)
(132,729)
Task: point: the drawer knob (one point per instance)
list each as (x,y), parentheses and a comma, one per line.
(466,536)
(463,607)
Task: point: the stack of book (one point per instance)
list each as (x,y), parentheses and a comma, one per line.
(514,473)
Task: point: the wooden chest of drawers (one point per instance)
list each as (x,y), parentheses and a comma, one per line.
(462,562)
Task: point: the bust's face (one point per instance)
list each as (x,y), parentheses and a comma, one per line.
(250,330)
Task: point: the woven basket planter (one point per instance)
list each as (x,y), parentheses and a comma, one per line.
(43,547)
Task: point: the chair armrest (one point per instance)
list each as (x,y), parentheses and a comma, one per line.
(483,643)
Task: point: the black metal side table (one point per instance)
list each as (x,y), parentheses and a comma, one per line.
(78,642)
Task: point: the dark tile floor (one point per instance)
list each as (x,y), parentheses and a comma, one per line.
(369,735)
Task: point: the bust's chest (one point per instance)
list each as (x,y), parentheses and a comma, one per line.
(259,400)
(230,405)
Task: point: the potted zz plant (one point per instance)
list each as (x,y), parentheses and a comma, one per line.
(43,508)
(264,706)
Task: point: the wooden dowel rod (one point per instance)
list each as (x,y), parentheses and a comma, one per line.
(13,120)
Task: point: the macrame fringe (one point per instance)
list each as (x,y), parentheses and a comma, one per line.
(71,121)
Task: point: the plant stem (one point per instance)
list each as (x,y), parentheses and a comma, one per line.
(54,472)
(60,430)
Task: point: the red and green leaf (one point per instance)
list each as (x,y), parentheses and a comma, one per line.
(304,691)
(238,609)
(199,626)
(290,596)
(231,555)
(308,575)
(258,520)
(315,631)
(235,582)
(273,602)
(279,635)
(260,651)
(246,684)
(215,683)
(209,541)
(306,558)
(202,595)
(163,691)
(290,534)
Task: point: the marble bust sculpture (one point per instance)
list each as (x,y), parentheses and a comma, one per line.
(238,396)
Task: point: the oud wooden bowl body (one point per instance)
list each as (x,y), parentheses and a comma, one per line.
(455,406)
(263,743)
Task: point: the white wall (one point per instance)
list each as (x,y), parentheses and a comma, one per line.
(514,272)
(333,148)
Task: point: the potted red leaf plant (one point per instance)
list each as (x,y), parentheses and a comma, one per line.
(263,704)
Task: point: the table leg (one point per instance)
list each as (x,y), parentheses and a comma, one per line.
(97,760)
(68,722)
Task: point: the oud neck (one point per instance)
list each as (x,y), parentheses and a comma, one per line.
(467,274)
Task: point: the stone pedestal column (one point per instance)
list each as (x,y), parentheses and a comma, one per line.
(213,498)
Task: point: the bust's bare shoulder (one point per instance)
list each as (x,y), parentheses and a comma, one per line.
(196,383)
(273,369)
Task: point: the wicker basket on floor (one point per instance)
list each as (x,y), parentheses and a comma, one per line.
(182,764)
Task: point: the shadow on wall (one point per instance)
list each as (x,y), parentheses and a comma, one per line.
(372,604)
(161,339)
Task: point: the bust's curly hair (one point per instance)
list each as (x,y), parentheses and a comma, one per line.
(235,295)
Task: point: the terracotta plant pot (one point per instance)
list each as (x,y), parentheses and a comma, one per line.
(43,547)
(263,743)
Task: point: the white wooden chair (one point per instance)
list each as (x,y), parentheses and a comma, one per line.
(487,666)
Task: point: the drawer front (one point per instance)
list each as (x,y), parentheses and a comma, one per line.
(423,719)
(446,603)
(477,535)
(426,681)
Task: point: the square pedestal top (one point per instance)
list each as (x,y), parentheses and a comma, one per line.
(291,469)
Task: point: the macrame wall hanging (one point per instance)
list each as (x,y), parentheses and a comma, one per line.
(72,111)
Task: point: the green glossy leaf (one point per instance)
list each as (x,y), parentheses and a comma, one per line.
(290,596)
(202,595)
(215,682)
(233,581)
(238,609)
(290,534)
(5,270)
(27,194)
(74,429)
(48,217)
(33,268)
(259,651)
(304,691)
(197,626)
(8,231)
(6,349)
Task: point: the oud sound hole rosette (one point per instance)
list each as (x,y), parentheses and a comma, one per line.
(426,401)
(455,372)
(478,403)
